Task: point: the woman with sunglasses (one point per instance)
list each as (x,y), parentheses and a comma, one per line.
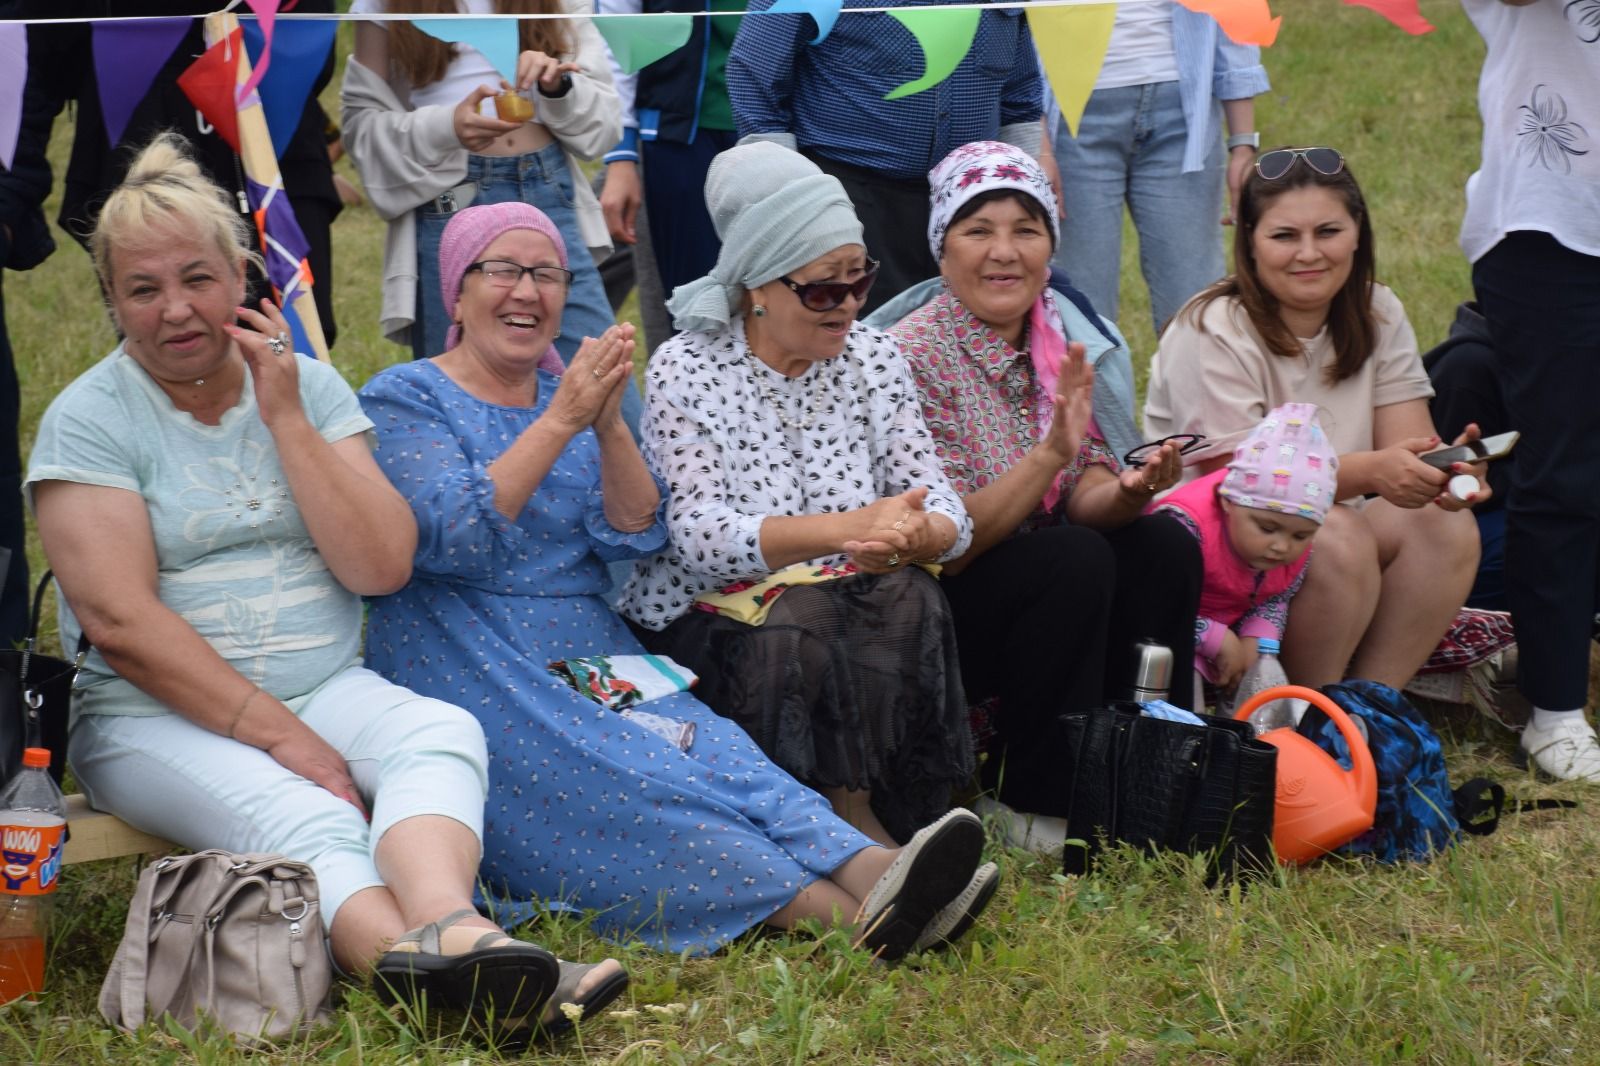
(804,494)
(664,819)
(1303,320)
(1062,568)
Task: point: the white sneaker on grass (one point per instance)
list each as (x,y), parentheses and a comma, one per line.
(1569,751)
(1041,833)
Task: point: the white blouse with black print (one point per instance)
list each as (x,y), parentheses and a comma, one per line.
(737,443)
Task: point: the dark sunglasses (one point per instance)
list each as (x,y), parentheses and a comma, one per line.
(1186,442)
(826,295)
(1278,162)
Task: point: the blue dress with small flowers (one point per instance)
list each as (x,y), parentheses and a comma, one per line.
(684,850)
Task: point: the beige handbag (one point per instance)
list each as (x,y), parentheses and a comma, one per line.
(236,939)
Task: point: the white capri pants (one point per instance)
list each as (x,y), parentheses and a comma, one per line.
(409,755)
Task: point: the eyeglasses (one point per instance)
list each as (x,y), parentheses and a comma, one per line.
(504,274)
(826,295)
(1278,162)
(1186,442)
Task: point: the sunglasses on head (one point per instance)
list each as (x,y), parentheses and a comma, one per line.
(1186,442)
(1278,162)
(826,295)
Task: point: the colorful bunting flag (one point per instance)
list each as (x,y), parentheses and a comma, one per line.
(495,38)
(1072,47)
(266,14)
(283,244)
(13,77)
(823,12)
(127,57)
(1402,13)
(1244,21)
(635,43)
(945,35)
(299,51)
(209,83)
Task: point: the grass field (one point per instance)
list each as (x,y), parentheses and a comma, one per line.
(1484,956)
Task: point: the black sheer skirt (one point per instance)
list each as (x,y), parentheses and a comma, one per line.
(853,683)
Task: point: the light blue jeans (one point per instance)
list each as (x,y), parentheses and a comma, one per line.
(1129,149)
(542,179)
(409,756)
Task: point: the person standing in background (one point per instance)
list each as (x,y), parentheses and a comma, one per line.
(1532,232)
(1151,137)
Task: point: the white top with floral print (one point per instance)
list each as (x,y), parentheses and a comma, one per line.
(737,443)
(1540,99)
(233,556)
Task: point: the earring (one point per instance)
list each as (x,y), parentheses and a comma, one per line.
(759,310)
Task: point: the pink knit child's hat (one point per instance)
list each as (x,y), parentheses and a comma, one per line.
(1286,464)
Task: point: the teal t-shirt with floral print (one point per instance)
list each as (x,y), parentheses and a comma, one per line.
(233,556)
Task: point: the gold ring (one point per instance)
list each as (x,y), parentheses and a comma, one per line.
(597,374)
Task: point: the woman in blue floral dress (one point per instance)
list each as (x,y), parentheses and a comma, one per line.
(525,485)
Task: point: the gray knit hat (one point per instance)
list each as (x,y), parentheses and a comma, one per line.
(774,210)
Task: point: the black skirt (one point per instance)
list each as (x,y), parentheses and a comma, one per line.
(852,683)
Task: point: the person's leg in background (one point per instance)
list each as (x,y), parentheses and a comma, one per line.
(13,529)
(1094,184)
(1539,300)
(652,294)
(683,241)
(1156,596)
(1178,216)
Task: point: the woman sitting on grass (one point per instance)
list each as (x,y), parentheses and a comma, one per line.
(210,505)
(525,484)
(1304,321)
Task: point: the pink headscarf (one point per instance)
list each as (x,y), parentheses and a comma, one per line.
(984,166)
(465,237)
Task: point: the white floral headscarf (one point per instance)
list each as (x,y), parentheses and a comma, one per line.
(981,167)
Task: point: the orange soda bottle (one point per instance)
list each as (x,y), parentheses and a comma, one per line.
(33,821)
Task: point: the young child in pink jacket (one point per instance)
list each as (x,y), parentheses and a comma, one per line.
(1254,520)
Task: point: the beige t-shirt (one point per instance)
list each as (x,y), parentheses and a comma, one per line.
(1218,378)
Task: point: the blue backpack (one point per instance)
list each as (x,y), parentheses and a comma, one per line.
(1418,813)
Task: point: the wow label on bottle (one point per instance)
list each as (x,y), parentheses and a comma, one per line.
(32,854)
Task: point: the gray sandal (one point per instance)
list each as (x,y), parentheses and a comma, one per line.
(499,976)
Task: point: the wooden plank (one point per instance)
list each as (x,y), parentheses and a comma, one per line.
(98,835)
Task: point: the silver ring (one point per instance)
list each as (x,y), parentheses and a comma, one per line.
(894,560)
(278,344)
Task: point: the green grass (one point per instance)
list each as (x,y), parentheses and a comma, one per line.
(1483,956)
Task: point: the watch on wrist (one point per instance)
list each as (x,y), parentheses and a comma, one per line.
(1251,140)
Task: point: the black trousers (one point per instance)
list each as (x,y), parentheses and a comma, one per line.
(13,530)
(1047,622)
(1542,303)
(894,219)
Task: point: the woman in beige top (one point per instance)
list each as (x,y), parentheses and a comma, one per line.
(1302,320)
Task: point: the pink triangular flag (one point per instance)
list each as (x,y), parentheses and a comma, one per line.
(1402,13)
(266,13)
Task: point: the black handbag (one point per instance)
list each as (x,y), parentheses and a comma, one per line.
(35,697)
(1200,789)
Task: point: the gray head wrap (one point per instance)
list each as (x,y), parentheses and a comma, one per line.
(775,211)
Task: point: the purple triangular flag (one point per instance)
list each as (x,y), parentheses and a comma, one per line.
(13,75)
(127,57)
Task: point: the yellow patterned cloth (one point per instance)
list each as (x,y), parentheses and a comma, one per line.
(750,601)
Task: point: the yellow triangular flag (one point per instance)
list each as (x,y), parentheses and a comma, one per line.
(1072,44)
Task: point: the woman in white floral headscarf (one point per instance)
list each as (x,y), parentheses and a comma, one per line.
(1061,558)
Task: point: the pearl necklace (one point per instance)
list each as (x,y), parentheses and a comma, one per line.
(772,399)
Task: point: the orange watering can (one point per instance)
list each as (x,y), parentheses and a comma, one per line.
(1320,804)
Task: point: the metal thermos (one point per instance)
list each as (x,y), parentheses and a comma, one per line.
(1152,677)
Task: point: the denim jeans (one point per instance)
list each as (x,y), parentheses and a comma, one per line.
(1129,149)
(542,179)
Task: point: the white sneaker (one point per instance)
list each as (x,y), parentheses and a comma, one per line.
(1042,833)
(1568,752)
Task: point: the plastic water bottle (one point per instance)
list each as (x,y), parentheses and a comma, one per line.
(1266,672)
(33,820)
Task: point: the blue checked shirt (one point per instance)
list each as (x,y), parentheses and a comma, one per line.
(829,97)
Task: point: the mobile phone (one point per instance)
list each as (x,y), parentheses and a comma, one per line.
(1479,451)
